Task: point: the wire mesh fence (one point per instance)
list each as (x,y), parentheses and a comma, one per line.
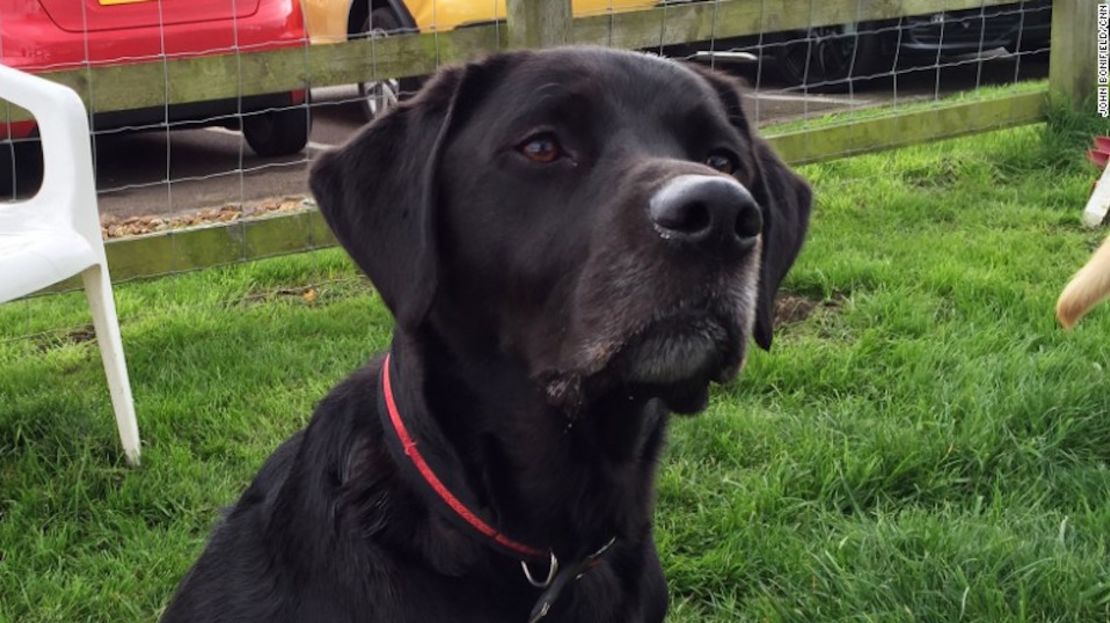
(211,111)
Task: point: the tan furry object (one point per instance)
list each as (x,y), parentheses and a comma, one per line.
(1086,289)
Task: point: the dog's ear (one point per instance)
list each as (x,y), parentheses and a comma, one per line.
(786,200)
(378,193)
(783,195)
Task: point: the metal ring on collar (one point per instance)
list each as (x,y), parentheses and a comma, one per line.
(551,571)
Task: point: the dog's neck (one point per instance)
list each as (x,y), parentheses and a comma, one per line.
(536,476)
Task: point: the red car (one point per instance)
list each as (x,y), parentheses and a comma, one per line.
(42,35)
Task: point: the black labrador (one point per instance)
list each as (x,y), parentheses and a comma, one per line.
(574,244)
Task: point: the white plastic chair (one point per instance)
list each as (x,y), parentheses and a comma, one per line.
(56,234)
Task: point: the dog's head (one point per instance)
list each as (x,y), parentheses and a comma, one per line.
(604,218)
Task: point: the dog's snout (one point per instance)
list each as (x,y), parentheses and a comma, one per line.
(706,210)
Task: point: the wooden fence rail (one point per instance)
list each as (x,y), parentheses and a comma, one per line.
(160,82)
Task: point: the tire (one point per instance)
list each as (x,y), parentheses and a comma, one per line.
(277,132)
(24,159)
(377,96)
(830,58)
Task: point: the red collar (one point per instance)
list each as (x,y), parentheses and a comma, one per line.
(461,511)
(403,442)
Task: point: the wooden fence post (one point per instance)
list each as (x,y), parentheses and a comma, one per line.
(1073,68)
(538,23)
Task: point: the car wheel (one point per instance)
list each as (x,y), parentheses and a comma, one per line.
(377,96)
(829,58)
(277,132)
(24,159)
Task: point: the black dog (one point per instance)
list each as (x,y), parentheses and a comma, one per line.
(573,243)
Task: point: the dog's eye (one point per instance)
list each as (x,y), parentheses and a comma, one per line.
(542,148)
(722,162)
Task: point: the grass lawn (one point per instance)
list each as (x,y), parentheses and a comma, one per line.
(923,444)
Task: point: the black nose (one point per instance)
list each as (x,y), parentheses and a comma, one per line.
(707,211)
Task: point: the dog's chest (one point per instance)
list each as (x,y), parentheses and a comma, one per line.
(597,600)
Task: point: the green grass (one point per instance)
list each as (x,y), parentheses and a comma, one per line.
(925,446)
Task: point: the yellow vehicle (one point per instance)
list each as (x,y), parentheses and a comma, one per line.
(334,21)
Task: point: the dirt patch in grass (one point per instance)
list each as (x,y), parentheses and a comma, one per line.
(308,294)
(939,174)
(321,292)
(795,308)
(51,340)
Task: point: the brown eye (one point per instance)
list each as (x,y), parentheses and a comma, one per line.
(722,162)
(541,148)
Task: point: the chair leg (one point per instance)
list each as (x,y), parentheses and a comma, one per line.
(98,290)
